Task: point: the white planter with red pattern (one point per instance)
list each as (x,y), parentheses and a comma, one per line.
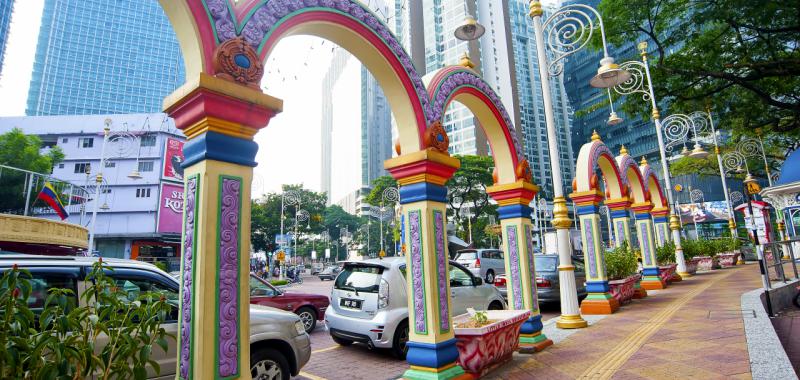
(484,348)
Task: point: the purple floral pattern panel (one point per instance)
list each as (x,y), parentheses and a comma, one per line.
(187,280)
(228,296)
(621,235)
(459,78)
(441,271)
(532,267)
(417,272)
(588,235)
(221,19)
(643,227)
(662,238)
(267,16)
(513,257)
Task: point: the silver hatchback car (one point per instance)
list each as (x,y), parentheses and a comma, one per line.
(369,302)
(547,283)
(484,263)
(279,345)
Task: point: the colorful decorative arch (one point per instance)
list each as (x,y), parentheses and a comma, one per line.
(631,175)
(653,185)
(203,26)
(595,155)
(462,84)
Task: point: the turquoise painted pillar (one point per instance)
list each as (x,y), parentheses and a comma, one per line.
(515,221)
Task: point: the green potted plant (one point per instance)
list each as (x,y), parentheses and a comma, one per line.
(486,339)
(691,255)
(665,257)
(704,252)
(727,249)
(621,269)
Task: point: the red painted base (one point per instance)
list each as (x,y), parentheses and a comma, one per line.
(595,306)
(531,348)
(639,293)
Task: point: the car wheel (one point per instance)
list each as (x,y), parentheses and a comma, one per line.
(341,341)
(496,305)
(399,346)
(490,277)
(308,317)
(268,364)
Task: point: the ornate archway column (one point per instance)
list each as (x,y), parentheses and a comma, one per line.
(620,219)
(421,175)
(598,301)
(644,231)
(515,219)
(219,119)
(661,225)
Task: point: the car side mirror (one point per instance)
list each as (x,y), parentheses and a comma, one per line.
(477,281)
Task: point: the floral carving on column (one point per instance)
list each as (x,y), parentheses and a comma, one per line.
(228,307)
(513,254)
(441,269)
(417,271)
(188,257)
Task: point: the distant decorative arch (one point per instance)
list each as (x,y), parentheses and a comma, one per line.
(653,185)
(462,84)
(595,155)
(631,175)
(204,26)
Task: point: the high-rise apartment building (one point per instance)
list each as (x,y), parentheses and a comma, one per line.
(6,9)
(100,56)
(531,104)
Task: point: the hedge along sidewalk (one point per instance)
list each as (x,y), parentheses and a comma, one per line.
(768,359)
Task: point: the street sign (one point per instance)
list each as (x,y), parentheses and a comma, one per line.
(327,253)
(753,187)
(382,253)
(313,255)
(280,256)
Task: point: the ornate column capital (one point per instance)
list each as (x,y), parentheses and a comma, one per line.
(561,220)
(617,204)
(513,199)
(587,201)
(421,175)
(659,212)
(642,208)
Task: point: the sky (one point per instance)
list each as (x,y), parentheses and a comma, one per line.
(289,147)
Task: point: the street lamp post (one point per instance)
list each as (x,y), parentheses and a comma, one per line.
(696,195)
(568,30)
(390,194)
(641,82)
(98,182)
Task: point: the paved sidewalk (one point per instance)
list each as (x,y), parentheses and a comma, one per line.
(693,329)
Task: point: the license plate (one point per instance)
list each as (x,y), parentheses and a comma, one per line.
(350,303)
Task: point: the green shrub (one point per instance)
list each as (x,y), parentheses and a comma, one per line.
(279,282)
(60,341)
(665,254)
(620,262)
(161,265)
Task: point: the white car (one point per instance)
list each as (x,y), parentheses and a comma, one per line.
(369,302)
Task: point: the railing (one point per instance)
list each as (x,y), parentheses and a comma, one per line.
(19,188)
(774,254)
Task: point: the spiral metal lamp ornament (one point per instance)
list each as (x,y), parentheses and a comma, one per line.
(696,195)
(736,196)
(391,194)
(676,129)
(732,161)
(637,83)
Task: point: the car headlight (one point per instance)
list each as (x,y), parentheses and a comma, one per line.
(299,327)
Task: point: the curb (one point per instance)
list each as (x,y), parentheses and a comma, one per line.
(768,360)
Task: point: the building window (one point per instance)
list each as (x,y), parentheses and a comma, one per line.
(83,167)
(148,140)
(105,191)
(85,142)
(142,193)
(64,140)
(146,166)
(61,166)
(110,164)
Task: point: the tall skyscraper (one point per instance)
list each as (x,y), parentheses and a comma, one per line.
(6,9)
(102,56)
(531,104)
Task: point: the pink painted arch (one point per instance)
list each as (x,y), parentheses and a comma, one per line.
(633,177)
(595,155)
(653,186)
(461,84)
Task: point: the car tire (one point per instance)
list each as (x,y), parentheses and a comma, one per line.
(490,277)
(495,305)
(399,346)
(269,363)
(309,318)
(341,341)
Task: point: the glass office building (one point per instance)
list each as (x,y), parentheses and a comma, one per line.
(6,9)
(531,104)
(102,56)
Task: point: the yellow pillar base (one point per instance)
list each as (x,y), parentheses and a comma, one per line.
(571,322)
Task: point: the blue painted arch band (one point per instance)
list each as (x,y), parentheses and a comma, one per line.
(597,286)
(219,147)
(532,325)
(422,191)
(514,211)
(432,355)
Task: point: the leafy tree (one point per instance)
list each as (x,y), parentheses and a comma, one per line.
(741,56)
(689,165)
(265,221)
(467,189)
(24,152)
(380,184)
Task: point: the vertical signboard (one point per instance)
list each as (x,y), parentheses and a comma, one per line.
(173,158)
(170,208)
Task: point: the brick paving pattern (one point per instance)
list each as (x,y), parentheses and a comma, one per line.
(690,330)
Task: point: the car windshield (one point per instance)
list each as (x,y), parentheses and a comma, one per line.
(545,263)
(466,255)
(359,278)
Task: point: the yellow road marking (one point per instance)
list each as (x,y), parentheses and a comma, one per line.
(310,376)
(326,349)
(606,366)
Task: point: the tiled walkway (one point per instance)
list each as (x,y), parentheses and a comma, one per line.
(693,329)
(787,326)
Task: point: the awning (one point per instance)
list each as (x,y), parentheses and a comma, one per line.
(452,239)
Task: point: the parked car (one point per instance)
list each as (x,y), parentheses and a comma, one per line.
(310,307)
(369,303)
(279,345)
(329,273)
(547,285)
(316,268)
(484,263)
